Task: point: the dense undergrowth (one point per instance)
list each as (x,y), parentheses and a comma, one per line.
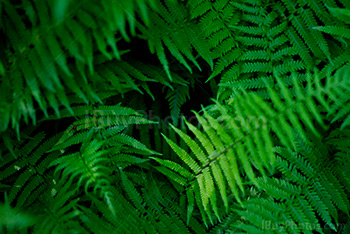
(179,116)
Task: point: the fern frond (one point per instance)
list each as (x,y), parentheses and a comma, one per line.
(44,73)
(59,216)
(176,98)
(222,152)
(168,18)
(29,169)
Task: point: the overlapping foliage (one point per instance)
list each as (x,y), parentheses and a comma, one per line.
(93,134)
